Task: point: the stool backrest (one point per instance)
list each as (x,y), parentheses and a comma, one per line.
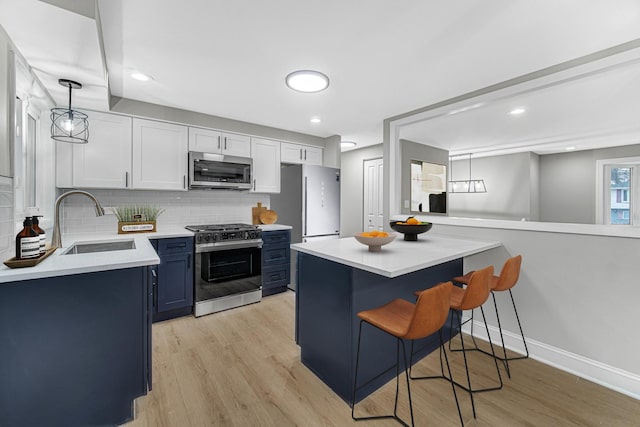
(478,289)
(509,274)
(431,311)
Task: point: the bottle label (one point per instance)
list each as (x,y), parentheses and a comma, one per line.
(43,243)
(30,247)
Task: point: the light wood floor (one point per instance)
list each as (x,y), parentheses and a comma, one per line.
(242,368)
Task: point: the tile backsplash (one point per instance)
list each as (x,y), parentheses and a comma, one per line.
(181,208)
(7,233)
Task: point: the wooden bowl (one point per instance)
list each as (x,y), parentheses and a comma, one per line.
(375,243)
(268,216)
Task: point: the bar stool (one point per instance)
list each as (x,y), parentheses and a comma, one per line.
(473,296)
(508,278)
(407,321)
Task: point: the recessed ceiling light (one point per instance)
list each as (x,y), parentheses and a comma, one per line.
(570,148)
(141,77)
(308,81)
(315,120)
(517,111)
(347,144)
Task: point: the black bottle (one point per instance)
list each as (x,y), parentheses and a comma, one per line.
(41,234)
(27,241)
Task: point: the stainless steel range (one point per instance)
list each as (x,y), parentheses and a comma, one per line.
(227,266)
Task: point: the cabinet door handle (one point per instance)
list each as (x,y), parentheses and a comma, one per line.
(301,154)
(188,261)
(254,185)
(154,274)
(218,142)
(126,179)
(184,181)
(305,154)
(225,142)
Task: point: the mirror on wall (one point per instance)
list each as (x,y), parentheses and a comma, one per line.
(428,187)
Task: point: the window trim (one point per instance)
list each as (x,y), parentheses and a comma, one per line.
(603,201)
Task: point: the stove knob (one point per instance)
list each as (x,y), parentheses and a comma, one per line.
(207,237)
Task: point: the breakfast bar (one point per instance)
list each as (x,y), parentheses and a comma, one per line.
(338,278)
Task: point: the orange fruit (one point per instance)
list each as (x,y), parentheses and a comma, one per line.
(374,233)
(412,221)
(383,234)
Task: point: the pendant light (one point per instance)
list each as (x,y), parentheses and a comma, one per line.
(467,185)
(69,125)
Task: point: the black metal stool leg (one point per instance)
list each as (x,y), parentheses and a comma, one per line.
(453,387)
(395,406)
(466,368)
(504,349)
(520,327)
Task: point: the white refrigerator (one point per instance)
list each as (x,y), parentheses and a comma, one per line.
(309,201)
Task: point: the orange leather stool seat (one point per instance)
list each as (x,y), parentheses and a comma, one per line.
(407,321)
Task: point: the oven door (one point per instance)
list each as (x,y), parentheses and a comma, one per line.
(227,271)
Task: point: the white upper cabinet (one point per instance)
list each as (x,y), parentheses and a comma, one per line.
(266,165)
(160,153)
(212,141)
(105,161)
(301,154)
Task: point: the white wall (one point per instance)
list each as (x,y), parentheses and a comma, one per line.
(568,182)
(577,298)
(507,179)
(351,187)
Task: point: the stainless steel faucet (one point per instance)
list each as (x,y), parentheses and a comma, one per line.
(56,239)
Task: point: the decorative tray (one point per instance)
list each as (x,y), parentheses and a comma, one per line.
(19,263)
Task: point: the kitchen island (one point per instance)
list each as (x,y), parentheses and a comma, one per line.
(338,278)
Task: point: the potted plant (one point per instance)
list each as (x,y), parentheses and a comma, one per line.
(137,218)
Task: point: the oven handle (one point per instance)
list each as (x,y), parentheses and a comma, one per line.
(221,246)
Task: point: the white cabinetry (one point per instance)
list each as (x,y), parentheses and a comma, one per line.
(160,155)
(266,165)
(301,154)
(105,161)
(212,141)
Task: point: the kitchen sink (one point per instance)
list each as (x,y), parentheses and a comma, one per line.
(92,247)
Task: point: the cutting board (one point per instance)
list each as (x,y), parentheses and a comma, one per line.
(268,216)
(255,213)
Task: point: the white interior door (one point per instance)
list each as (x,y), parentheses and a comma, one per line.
(372,212)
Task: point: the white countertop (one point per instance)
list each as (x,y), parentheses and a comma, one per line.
(398,257)
(274,227)
(58,264)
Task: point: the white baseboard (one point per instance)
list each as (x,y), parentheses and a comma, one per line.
(608,376)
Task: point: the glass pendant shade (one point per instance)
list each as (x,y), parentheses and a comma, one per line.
(69,125)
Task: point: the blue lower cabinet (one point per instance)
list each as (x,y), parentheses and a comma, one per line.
(173,294)
(276,261)
(75,349)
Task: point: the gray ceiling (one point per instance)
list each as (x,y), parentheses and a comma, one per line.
(384,58)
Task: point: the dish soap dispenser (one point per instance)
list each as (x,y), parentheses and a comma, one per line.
(27,241)
(41,234)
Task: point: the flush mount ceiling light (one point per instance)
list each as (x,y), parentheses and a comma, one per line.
(315,120)
(517,111)
(307,81)
(69,125)
(140,76)
(467,185)
(570,148)
(347,144)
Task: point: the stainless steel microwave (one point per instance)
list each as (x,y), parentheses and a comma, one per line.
(208,170)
